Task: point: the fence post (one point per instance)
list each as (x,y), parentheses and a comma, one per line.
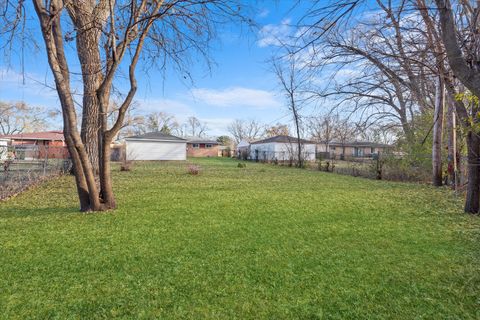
(45,160)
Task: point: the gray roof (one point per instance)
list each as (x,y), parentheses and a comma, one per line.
(155,136)
(283,139)
(201,140)
(359,144)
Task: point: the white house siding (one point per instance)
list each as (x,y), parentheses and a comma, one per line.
(281,151)
(156,150)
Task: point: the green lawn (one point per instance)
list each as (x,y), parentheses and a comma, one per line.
(260,242)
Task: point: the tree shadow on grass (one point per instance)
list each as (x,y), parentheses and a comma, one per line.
(22,212)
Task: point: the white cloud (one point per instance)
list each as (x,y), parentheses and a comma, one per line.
(274,34)
(263,13)
(236,97)
(217,126)
(28,83)
(10,76)
(166,105)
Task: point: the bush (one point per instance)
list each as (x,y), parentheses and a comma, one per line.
(126,165)
(241,165)
(193,170)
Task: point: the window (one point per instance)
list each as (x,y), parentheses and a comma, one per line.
(195,145)
(208,145)
(372,150)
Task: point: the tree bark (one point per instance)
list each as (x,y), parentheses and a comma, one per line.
(88,23)
(106,185)
(473,187)
(452,141)
(297,128)
(437,134)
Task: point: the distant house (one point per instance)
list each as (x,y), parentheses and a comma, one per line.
(41,145)
(355,149)
(199,147)
(155,146)
(281,148)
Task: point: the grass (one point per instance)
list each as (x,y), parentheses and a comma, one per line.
(260,242)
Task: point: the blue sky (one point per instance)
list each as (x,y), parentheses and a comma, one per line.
(239,84)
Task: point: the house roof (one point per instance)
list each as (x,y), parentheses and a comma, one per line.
(46,135)
(359,144)
(243,143)
(158,136)
(282,139)
(201,140)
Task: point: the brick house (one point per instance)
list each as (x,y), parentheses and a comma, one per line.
(198,147)
(41,145)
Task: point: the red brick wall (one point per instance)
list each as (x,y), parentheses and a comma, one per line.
(202,152)
(54,152)
(55,149)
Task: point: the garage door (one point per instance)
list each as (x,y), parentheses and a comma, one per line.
(156,150)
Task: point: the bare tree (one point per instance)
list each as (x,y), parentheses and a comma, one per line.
(246,130)
(277,130)
(110,37)
(19,117)
(195,128)
(157,121)
(322,128)
(446,32)
(382,69)
(344,132)
(293,80)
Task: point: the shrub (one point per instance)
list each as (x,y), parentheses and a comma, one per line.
(193,170)
(126,165)
(241,165)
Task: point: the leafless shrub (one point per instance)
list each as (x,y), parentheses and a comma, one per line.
(126,165)
(193,170)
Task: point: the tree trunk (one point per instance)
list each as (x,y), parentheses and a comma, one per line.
(106,185)
(437,134)
(84,174)
(452,141)
(90,62)
(297,128)
(473,187)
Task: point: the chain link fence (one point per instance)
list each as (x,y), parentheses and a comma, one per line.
(395,168)
(386,166)
(25,165)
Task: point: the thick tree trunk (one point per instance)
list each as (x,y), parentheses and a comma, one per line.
(472,202)
(90,62)
(437,135)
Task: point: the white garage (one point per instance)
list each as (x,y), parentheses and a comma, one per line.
(155,146)
(281,148)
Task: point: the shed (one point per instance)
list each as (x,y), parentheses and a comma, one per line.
(155,146)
